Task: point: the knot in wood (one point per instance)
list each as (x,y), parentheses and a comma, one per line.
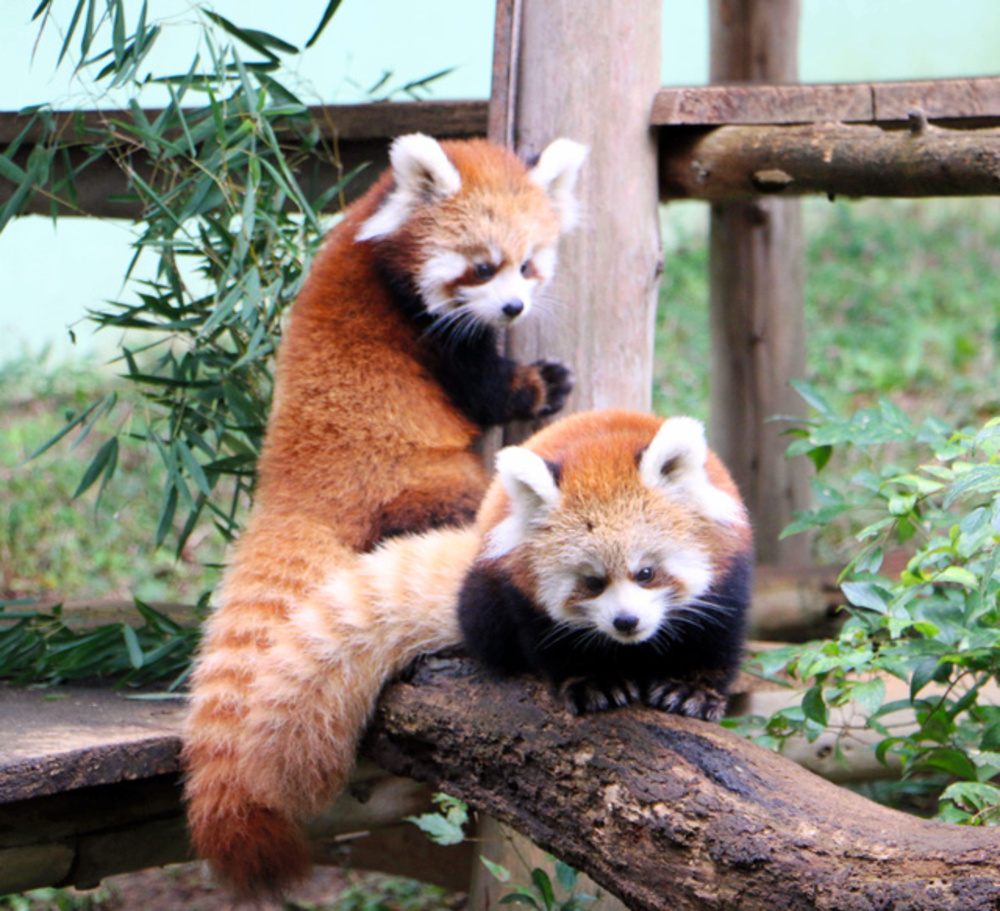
(771,180)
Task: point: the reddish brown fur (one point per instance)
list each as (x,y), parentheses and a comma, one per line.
(361,438)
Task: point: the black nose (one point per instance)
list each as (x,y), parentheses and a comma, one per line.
(625,623)
(512,309)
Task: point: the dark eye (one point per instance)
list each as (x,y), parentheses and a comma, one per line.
(594,584)
(644,575)
(483,272)
(526,268)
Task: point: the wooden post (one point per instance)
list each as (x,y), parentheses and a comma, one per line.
(589,70)
(757,296)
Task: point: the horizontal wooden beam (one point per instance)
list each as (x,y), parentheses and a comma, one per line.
(359,135)
(835,159)
(90,787)
(381,120)
(968,100)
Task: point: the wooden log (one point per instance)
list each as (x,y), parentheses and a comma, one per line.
(968,101)
(589,70)
(352,135)
(669,811)
(756,298)
(747,162)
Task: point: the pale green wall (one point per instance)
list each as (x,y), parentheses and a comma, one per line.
(51,275)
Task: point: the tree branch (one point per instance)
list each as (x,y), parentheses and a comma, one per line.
(656,807)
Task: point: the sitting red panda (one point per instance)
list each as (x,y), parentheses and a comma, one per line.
(616,561)
(387,373)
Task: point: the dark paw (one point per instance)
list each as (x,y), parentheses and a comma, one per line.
(587,696)
(680,698)
(557,381)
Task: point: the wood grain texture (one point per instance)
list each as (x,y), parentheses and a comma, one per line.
(589,70)
(854,160)
(757,298)
(665,811)
(966,100)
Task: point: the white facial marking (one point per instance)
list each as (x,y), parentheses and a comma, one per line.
(439,272)
(621,600)
(508,286)
(693,569)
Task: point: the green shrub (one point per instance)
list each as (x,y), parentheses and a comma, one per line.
(935,626)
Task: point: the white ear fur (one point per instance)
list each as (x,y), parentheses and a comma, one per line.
(422,173)
(532,490)
(674,462)
(556,172)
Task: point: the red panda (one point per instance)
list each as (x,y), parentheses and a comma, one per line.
(388,370)
(387,373)
(616,561)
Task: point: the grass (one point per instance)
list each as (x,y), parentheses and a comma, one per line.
(902,300)
(55,545)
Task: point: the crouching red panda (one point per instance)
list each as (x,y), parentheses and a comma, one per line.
(616,561)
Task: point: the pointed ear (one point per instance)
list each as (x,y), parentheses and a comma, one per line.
(532,488)
(422,174)
(556,172)
(677,454)
(675,463)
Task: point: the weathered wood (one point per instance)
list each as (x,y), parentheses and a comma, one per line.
(747,162)
(966,100)
(756,298)
(353,135)
(89,787)
(795,603)
(79,737)
(506,59)
(345,122)
(668,811)
(603,306)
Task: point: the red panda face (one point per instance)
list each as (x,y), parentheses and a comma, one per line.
(615,541)
(473,227)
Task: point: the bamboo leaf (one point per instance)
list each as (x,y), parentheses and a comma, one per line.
(135,656)
(104,461)
(328,14)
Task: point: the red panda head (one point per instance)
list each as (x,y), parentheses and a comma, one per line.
(622,534)
(472,227)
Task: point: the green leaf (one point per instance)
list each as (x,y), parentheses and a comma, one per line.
(814,706)
(566,875)
(104,461)
(869,695)
(866,594)
(135,656)
(328,14)
(499,872)
(544,886)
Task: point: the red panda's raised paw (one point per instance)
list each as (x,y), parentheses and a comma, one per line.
(557,382)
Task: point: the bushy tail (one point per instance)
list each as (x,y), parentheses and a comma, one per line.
(305,635)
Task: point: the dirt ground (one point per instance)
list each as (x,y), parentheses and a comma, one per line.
(187,887)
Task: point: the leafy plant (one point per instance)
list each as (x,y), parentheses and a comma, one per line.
(446,827)
(935,626)
(541,894)
(39,647)
(229,229)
